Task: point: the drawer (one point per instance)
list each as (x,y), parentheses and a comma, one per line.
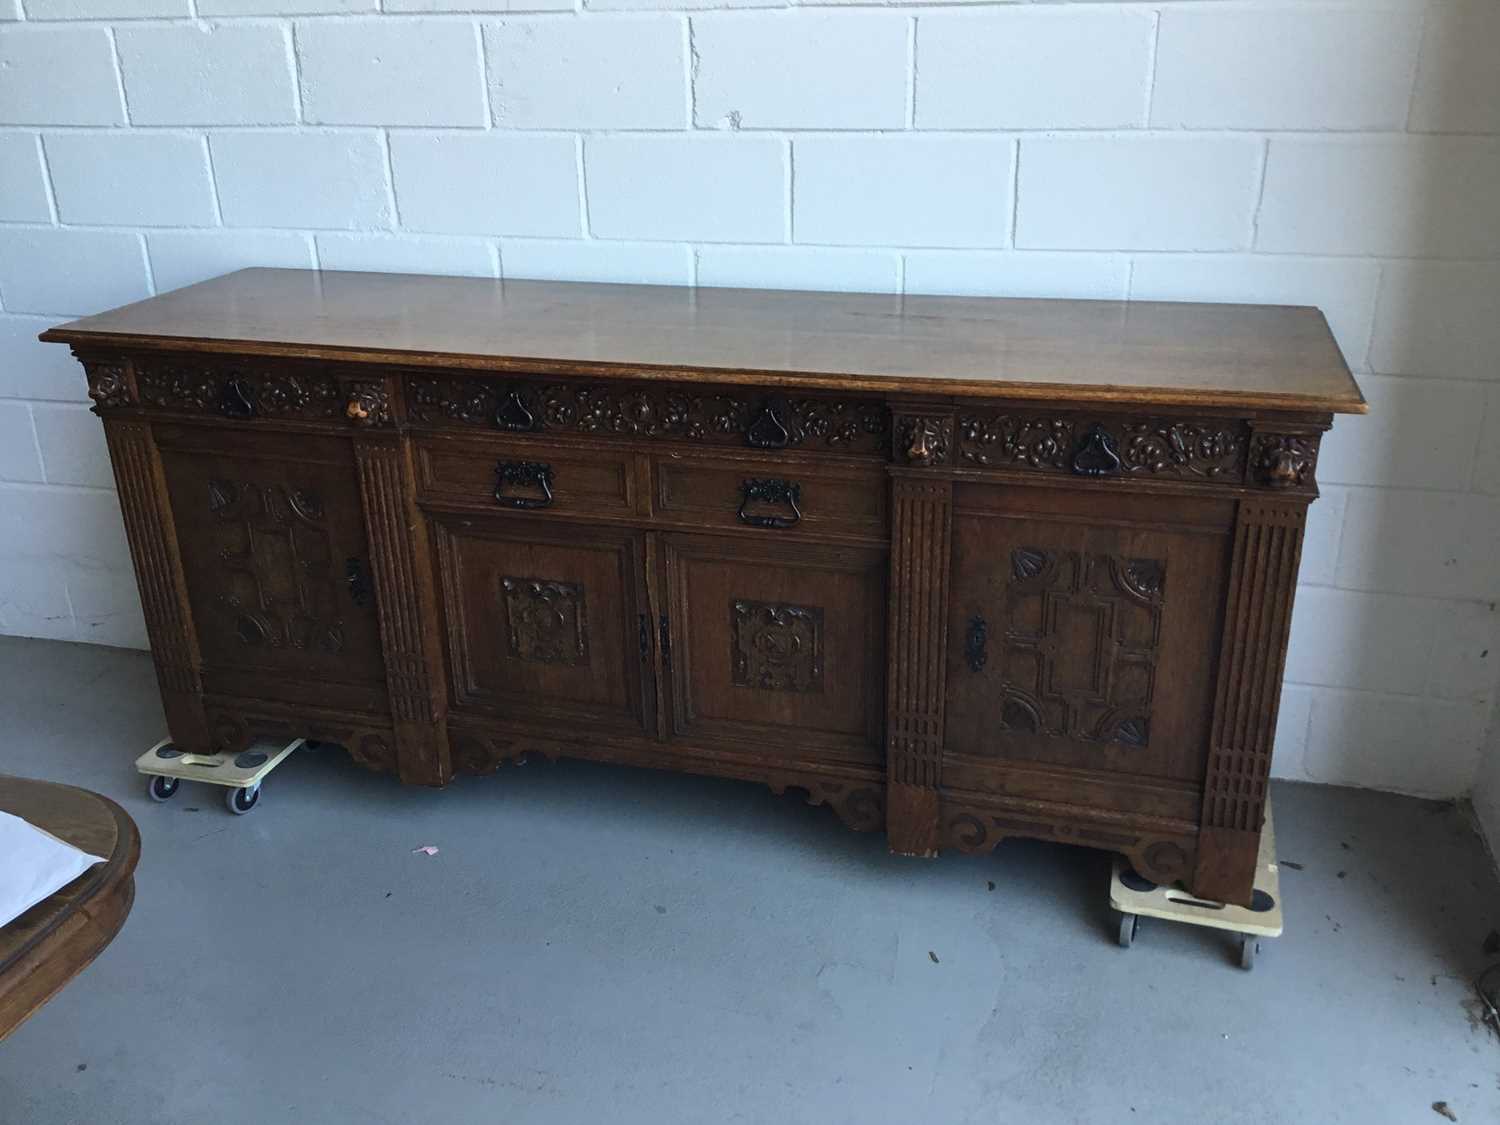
(782,495)
(533,478)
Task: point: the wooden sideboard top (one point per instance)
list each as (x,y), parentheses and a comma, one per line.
(1240,356)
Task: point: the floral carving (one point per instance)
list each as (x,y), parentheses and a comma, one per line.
(648,411)
(235,391)
(1004,439)
(1203,449)
(1150,447)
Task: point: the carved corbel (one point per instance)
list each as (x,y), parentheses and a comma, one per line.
(924,440)
(1284,461)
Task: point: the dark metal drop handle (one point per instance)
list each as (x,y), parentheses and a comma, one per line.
(237,400)
(533,474)
(1097,456)
(771,492)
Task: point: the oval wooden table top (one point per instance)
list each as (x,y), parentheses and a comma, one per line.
(56,939)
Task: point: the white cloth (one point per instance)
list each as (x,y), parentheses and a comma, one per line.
(33,864)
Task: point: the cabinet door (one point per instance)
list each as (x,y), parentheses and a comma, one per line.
(546,622)
(776,647)
(273,544)
(1084,629)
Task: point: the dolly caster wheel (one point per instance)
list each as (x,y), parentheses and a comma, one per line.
(241,801)
(1127,929)
(1249,947)
(161,788)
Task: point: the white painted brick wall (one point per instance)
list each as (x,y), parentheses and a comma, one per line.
(998,69)
(614,72)
(208,74)
(131,179)
(912,191)
(1342,153)
(58,76)
(390,72)
(835,70)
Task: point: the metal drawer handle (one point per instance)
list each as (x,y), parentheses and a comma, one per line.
(532,474)
(771,491)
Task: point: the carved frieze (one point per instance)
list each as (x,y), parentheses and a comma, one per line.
(235,390)
(730,416)
(776,647)
(1153,447)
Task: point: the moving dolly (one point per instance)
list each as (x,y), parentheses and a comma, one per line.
(240,774)
(1134,897)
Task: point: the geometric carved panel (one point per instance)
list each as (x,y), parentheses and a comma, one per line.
(546,621)
(1080,650)
(776,647)
(276,566)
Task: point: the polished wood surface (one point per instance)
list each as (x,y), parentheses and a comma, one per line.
(1241,356)
(961,570)
(56,939)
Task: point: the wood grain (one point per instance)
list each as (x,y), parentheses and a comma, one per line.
(56,939)
(1062,351)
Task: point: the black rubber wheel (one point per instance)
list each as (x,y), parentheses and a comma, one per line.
(161,788)
(241,801)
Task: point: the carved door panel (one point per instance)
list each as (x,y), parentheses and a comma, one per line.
(547,623)
(1086,638)
(776,647)
(273,543)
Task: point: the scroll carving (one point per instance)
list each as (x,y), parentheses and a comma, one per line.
(860,806)
(1159,849)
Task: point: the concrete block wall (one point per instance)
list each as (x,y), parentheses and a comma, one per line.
(1343,154)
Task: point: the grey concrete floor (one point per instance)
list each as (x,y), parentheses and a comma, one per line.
(594,944)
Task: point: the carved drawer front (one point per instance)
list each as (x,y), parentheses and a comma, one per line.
(782,497)
(776,647)
(547,622)
(525,477)
(273,546)
(1083,630)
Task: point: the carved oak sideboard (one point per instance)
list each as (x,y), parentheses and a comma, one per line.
(960,569)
